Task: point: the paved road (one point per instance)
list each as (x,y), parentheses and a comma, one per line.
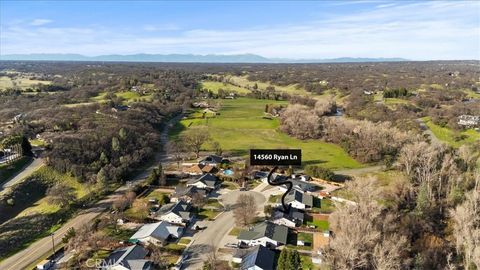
(40,248)
(214,233)
(26,171)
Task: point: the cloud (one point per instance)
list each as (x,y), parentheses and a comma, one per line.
(39,22)
(416,30)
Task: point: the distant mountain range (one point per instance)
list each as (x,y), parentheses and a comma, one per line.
(186,58)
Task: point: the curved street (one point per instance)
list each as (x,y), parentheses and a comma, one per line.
(212,236)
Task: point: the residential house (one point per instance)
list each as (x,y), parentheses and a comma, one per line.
(120,108)
(207,181)
(301,185)
(128,258)
(294,218)
(469,120)
(157,233)
(212,160)
(267,234)
(186,193)
(199,169)
(176,213)
(256,258)
(299,199)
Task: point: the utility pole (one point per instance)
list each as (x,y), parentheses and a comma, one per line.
(53,245)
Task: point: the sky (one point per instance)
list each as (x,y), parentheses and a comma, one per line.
(298,29)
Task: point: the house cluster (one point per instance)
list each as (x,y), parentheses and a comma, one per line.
(469,120)
(257,246)
(172,218)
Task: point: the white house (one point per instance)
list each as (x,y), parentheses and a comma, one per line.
(157,233)
(176,213)
(207,181)
(293,219)
(468,120)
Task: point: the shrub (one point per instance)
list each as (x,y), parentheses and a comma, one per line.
(319,172)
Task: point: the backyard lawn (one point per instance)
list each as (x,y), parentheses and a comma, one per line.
(240,126)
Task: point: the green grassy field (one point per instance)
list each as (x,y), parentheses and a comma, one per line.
(214,86)
(240,127)
(42,206)
(449,136)
(291,89)
(22,82)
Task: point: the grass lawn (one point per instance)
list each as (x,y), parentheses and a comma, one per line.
(174,247)
(22,82)
(162,197)
(214,86)
(235,231)
(230,185)
(37,142)
(306,262)
(209,214)
(325,205)
(128,96)
(274,198)
(213,203)
(184,241)
(118,234)
(291,89)
(9,170)
(450,136)
(305,237)
(319,224)
(240,127)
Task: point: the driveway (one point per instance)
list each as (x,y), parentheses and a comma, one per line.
(199,250)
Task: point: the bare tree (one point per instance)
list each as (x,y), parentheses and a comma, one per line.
(466,219)
(364,234)
(61,194)
(194,138)
(245,210)
(176,148)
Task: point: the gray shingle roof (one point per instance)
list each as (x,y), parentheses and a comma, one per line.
(298,196)
(259,256)
(208,179)
(273,231)
(180,208)
(160,230)
(132,257)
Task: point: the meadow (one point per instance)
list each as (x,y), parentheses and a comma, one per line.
(215,86)
(451,137)
(22,82)
(240,126)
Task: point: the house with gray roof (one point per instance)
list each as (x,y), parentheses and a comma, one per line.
(207,181)
(157,233)
(299,200)
(128,258)
(212,160)
(294,218)
(256,258)
(187,193)
(176,213)
(266,234)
